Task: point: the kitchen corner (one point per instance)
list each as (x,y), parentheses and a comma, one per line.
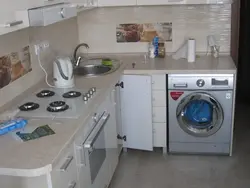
(43,153)
(154,80)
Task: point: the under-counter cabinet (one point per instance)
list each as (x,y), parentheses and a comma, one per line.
(104,3)
(144,111)
(64,174)
(97,155)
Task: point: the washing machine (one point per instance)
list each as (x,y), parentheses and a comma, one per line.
(200,108)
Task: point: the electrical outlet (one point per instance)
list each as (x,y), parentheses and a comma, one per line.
(41,47)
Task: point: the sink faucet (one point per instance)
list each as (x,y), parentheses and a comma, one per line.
(78,59)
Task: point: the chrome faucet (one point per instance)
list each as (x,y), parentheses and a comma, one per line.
(78,59)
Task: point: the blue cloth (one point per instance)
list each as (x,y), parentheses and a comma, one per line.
(199,112)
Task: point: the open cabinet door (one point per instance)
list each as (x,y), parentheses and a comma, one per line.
(136,110)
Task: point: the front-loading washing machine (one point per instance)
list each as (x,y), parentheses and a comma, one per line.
(200,113)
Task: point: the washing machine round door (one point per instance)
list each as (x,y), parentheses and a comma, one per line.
(199,114)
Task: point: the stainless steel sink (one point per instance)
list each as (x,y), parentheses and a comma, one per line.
(94,67)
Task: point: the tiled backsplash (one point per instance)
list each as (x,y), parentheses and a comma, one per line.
(98,27)
(63,37)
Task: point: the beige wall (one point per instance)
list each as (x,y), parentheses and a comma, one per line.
(63,37)
(97,27)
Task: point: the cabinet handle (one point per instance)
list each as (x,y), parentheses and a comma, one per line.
(120,84)
(66,163)
(124,138)
(95,117)
(72,184)
(62,13)
(11,24)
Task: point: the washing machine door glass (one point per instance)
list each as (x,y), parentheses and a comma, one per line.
(199,114)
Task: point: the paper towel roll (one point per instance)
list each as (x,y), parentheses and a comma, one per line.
(191,50)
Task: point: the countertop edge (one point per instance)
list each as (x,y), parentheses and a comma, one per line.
(26,172)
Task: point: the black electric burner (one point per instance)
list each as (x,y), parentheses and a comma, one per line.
(45,93)
(72,94)
(57,106)
(29,106)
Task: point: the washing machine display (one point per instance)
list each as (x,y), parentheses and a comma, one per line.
(199,114)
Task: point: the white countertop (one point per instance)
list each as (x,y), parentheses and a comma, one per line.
(203,65)
(37,157)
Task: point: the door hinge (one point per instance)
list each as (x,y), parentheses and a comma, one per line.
(121,84)
(124,138)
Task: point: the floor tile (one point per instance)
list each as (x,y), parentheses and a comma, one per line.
(141,169)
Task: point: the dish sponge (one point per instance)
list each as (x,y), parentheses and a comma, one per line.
(107,62)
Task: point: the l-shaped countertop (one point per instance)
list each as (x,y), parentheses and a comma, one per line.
(37,157)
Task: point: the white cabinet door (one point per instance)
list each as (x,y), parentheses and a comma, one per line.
(103,3)
(27,4)
(118,118)
(64,175)
(13,20)
(136,108)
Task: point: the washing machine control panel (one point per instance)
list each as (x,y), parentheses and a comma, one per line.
(200,83)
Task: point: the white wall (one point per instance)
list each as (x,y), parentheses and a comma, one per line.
(63,37)
(98,27)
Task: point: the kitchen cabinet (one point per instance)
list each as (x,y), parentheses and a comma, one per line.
(136,110)
(105,3)
(13,20)
(160,2)
(83,4)
(64,175)
(120,136)
(96,149)
(27,4)
(159,112)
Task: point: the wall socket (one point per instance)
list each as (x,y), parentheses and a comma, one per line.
(41,46)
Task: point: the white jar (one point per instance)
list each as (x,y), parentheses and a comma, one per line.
(151,50)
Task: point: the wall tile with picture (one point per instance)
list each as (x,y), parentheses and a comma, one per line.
(143,32)
(14,66)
